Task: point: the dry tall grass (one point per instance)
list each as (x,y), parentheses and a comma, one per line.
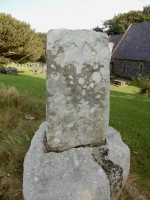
(131,190)
(16,133)
(8,95)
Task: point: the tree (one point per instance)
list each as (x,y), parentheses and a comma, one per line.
(146,13)
(98,29)
(121,22)
(4,61)
(18,41)
(43,37)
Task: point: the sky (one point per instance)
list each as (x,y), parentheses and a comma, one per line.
(44,15)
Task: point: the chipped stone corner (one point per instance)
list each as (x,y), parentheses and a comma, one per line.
(114,172)
(117,166)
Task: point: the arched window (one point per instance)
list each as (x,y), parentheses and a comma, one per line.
(124,67)
(141,68)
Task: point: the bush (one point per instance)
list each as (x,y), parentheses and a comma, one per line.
(144,83)
(2,70)
(4,61)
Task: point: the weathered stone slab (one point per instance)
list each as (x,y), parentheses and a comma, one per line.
(89,173)
(77,88)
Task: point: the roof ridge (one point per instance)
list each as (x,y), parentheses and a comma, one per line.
(121,39)
(135,44)
(141,22)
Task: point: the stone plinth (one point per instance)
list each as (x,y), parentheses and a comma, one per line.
(84,173)
(77,88)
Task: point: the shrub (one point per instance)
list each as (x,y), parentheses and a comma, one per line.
(4,61)
(144,83)
(2,70)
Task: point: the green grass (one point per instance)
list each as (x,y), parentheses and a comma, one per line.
(26,81)
(129,114)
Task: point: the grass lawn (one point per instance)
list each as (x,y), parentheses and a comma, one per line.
(129,114)
(26,81)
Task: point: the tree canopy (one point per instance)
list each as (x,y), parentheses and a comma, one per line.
(3,61)
(122,21)
(18,41)
(43,37)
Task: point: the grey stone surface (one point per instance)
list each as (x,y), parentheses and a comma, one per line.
(11,70)
(77,88)
(75,155)
(114,157)
(84,173)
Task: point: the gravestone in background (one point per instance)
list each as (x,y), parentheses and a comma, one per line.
(75,155)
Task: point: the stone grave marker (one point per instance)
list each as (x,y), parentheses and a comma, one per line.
(75,155)
(77,88)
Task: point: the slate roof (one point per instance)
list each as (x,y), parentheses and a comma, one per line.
(136,43)
(113,41)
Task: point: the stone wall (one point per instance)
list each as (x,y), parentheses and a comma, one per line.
(130,68)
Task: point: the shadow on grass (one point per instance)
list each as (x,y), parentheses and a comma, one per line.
(21,72)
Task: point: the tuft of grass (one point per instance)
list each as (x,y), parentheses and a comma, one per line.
(8,95)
